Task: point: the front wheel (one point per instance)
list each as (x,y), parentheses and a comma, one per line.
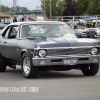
(2,64)
(91,69)
(29,71)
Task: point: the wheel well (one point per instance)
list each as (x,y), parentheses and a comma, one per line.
(22,53)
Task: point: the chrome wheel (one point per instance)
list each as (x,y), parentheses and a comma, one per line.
(26,65)
(28,70)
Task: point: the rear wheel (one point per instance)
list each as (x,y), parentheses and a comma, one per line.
(91,69)
(29,71)
(2,64)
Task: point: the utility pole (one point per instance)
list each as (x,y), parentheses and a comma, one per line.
(44,9)
(50,10)
(14,6)
(0,6)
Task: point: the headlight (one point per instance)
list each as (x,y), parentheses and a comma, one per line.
(94,51)
(42,53)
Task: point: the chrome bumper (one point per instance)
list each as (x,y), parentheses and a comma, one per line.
(84,35)
(60,60)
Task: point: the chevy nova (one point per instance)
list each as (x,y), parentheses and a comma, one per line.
(42,45)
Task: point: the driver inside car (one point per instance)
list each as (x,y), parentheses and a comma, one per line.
(25,31)
(53,31)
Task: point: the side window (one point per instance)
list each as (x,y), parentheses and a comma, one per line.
(13,32)
(5,34)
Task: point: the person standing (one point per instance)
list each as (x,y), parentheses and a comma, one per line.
(15,19)
(11,19)
(22,19)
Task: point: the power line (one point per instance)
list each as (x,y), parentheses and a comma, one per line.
(28,3)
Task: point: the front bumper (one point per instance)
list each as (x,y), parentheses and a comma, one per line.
(61,60)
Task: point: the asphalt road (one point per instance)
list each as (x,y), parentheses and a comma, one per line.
(53,85)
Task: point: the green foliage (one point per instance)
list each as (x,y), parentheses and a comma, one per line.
(94,7)
(78,7)
(4,8)
(83,6)
(22,9)
(8,9)
(57,7)
(71,8)
(90,7)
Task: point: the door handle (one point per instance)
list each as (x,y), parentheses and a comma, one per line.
(5,42)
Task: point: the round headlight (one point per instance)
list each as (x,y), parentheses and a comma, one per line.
(94,51)
(42,53)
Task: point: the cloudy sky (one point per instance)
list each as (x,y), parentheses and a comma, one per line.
(30,4)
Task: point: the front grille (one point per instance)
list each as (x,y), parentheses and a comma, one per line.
(74,51)
(68,52)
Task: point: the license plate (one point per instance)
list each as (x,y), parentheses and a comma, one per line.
(70,61)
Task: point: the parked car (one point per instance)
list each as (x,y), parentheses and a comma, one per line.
(80,29)
(43,45)
(96,30)
(92,34)
(81,34)
(2,25)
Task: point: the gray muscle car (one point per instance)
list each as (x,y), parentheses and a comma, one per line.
(47,45)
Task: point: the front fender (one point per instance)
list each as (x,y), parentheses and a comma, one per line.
(29,52)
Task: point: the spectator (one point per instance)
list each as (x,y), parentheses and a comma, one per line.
(53,31)
(22,19)
(15,19)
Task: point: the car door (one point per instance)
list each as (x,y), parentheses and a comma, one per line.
(10,42)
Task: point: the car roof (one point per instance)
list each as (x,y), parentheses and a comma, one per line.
(37,22)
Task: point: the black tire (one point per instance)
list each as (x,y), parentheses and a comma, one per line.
(2,64)
(91,69)
(33,72)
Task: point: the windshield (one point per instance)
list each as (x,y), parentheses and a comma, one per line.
(47,30)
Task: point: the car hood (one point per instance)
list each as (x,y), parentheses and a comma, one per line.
(65,42)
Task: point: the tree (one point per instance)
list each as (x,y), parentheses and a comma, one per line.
(94,7)
(8,9)
(57,7)
(83,6)
(5,8)
(90,7)
(22,9)
(71,8)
